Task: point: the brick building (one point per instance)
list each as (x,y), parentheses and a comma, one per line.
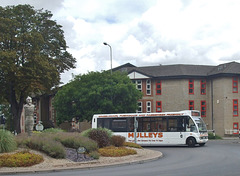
(213,90)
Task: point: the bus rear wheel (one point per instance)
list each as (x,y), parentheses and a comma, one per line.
(191,142)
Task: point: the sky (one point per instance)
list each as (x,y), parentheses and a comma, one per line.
(145,32)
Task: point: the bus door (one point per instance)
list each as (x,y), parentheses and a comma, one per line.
(176,130)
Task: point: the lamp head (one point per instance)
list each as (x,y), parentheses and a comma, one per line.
(105,43)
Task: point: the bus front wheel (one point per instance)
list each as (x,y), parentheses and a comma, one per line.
(202,144)
(191,142)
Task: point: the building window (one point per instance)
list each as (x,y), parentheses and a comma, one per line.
(138,84)
(235,84)
(148,105)
(139,107)
(191,105)
(159,106)
(148,86)
(235,128)
(235,107)
(203,108)
(191,86)
(203,86)
(158,87)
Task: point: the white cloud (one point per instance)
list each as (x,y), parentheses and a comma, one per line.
(144,32)
(132,47)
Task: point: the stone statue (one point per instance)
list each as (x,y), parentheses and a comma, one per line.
(29,120)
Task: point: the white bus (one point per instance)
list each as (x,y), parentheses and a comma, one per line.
(166,128)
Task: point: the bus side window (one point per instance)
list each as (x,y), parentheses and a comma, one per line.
(103,123)
(172,124)
(119,125)
(130,124)
(99,123)
(181,124)
(146,124)
(140,125)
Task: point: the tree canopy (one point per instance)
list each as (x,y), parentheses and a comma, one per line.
(96,93)
(33,53)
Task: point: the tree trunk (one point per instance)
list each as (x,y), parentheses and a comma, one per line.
(16,109)
(16,112)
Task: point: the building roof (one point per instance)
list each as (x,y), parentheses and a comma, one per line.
(182,70)
(227,68)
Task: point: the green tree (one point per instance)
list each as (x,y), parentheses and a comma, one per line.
(95,93)
(5,110)
(33,53)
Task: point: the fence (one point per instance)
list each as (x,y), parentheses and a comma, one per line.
(231,131)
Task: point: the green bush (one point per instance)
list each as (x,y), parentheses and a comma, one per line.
(94,155)
(36,142)
(100,136)
(7,141)
(45,143)
(75,140)
(54,149)
(20,159)
(212,136)
(22,140)
(53,143)
(117,140)
(86,132)
(52,130)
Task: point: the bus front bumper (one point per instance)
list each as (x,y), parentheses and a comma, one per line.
(203,139)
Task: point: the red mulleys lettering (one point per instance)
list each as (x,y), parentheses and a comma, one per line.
(146,135)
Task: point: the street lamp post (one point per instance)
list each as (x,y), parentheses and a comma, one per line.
(110,53)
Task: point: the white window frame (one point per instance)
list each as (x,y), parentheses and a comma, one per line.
(148,87)
(139,110)
(138,84)
(148,106)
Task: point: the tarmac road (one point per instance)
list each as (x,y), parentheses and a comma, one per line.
(217,158)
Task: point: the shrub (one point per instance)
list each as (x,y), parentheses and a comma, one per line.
(86,132)
(54,149)
(212,136)
(116,151)
(75,140)
(36,132)
(20,159)
(117,140)
(52,130)
(100,136)
(22,139)
(36,143)
(94,155)
(7,141)
(89,144)
(53,143)
(131,144)
(46,144)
